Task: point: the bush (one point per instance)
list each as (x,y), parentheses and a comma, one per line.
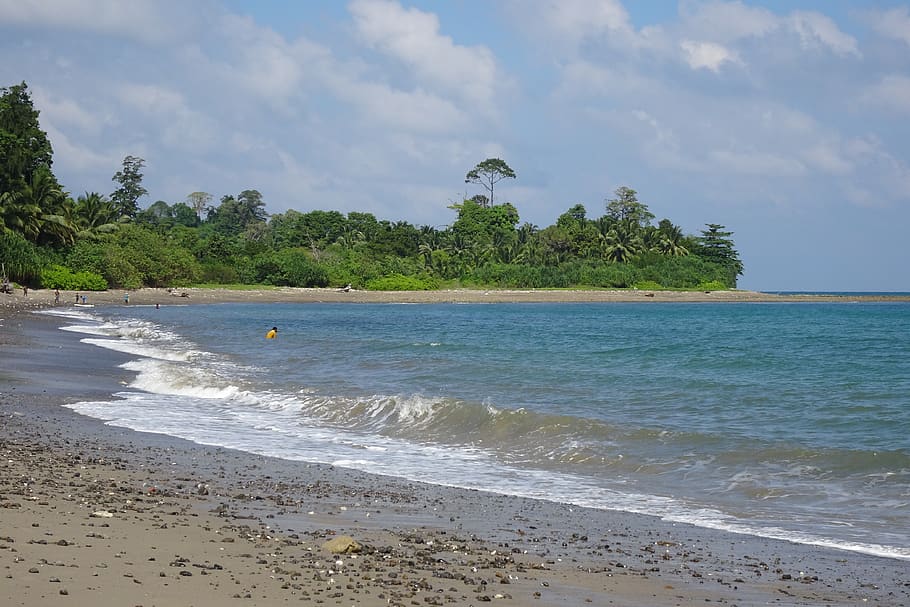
(287,268)
(20,257)
(219,273)
(647,285)
(60,277)
(714,285)
(397,282)
(612,276)
(133,257)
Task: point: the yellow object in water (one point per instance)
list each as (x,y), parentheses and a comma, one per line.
(272,334)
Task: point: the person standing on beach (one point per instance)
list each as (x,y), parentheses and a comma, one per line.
(272,334)
(77,296)
(56,297)
(126,298)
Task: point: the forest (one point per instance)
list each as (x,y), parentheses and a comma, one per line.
(96,241)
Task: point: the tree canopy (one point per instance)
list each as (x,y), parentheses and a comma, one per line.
(488,173)
(50,239)
(24,147)
(126,197)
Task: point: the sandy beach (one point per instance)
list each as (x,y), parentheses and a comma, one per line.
(100,515)
(41,298)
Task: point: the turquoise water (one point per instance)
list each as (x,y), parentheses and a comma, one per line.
(780,420)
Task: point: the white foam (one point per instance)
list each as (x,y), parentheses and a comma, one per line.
(140,349)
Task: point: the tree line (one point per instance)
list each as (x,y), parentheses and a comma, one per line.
(50,239)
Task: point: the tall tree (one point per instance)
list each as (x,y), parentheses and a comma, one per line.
(24,147)
(126,197)
(199,201)
(238,214)
(626,206)
(716,246)
(488,173)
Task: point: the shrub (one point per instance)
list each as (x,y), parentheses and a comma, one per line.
(647,285)
(20,257)
(219,273)
(287,268)
(714,285)
(61,277)
(397,282)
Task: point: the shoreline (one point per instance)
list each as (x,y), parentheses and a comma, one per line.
(151,296)
(251,529)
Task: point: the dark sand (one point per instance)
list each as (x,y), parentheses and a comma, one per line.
(97,515)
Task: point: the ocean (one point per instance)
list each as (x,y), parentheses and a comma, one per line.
(779,420)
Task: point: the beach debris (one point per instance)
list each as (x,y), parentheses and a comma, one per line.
(343,544)
(102,514)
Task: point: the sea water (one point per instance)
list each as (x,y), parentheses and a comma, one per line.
(779,420)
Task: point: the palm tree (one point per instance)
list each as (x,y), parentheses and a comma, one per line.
(671,239)
(622,243)
(95,214)
(17,214)
(55,211)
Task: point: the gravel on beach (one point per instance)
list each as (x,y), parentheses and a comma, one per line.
(94,514)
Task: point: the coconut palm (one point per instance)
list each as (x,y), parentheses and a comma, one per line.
(18,215)
(671,239)
(621,243)
(95,214)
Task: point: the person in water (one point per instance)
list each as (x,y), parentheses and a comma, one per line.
(272,334)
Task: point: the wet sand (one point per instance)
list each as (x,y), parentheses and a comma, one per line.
(94,514)
(41,298)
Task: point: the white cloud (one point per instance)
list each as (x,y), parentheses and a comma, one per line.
(178,126)
(891,92)
(732,22)
(76,156)
(726,22)
(565,27)
(707,55)
(142,20)
(65,111)
(815,29)
(259,59)
(578,19)
(412,37)
(756,162)
(828,157)
(151,99)
(384,107)
(893,24)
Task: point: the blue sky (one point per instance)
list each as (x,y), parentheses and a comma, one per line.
(786,121)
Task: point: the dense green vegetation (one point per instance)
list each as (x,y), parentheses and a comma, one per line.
(50,239)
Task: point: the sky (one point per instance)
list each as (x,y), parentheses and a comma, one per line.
(786,121)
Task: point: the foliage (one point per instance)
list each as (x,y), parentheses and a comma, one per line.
(126,197)
(716,246)
(397,282)
(626,207)
(647,285)
(199,202)
(133,257)
(24,147)
(166,244)
(288,267)
(19,257)
(244,213)
(488,173)
(60,277)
